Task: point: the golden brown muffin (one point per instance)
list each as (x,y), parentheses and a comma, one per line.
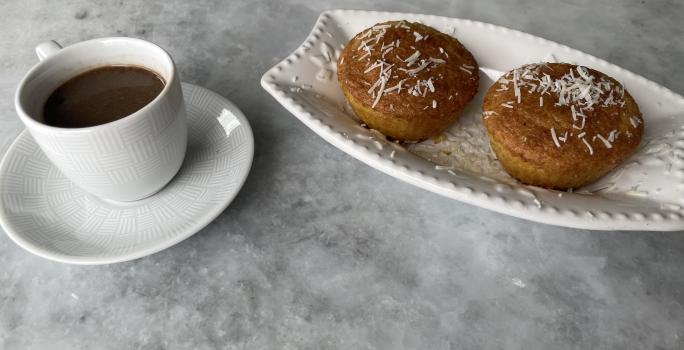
(407,80)
(559,125)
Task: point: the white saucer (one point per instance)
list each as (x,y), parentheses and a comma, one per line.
(46,214)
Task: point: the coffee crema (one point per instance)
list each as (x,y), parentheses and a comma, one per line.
(101,95)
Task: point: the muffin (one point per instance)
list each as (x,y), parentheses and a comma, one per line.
(559,125)
(407,80)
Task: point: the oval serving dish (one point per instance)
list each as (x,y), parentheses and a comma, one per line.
(644,193)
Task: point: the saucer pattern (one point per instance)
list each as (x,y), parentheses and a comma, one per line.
(48,215)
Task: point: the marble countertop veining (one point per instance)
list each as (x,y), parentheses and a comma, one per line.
(319,251)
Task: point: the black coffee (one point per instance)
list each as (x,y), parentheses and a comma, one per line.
(101,95)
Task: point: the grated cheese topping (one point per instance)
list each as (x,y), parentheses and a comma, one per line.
(405,73)
(578,89)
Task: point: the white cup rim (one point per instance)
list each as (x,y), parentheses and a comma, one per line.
(34,123)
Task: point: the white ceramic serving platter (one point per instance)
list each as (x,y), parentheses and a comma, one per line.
(46,214)
(646,193)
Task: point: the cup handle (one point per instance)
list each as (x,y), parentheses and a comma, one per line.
(47,49)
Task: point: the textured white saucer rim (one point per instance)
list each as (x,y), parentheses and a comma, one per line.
(198,225)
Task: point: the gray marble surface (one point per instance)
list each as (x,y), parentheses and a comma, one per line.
(319,251)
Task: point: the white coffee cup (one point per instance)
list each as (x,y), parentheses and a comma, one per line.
(123,160)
